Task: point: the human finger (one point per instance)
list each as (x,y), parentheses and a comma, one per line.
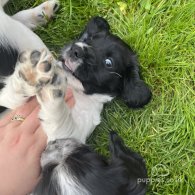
(40,142)
(69,98)
(22,112)
(31,122)
(26,108)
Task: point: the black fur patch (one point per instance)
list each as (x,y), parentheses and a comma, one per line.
(47,185)
(8,59)
(2,109)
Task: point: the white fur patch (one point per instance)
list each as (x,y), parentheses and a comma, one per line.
(68,184)
(81,44)
(18,35)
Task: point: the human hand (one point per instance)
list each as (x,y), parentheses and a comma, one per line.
(21,145)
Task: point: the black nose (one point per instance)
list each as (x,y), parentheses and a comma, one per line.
(76,51)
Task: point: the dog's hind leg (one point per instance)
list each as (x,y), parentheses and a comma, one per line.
(39,15)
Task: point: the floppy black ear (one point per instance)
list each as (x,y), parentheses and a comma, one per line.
(136,92)
(96,26)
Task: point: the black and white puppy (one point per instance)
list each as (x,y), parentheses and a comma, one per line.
(72,168)
(106,65)
(100,66)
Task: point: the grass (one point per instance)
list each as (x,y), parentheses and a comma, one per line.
(162,33)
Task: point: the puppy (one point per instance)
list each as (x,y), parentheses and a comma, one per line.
(71,168)
(98,67)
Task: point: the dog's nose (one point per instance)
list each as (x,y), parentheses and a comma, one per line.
(76,51)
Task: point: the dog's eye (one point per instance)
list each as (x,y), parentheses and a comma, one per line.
(108,63)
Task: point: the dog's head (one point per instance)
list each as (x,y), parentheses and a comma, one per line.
(105,64)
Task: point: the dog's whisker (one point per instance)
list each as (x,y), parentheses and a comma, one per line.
(116,74)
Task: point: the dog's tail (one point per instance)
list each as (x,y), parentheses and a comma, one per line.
(133,163)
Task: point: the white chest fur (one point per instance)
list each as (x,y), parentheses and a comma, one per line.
(86,112)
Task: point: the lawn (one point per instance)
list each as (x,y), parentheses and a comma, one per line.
(162,32)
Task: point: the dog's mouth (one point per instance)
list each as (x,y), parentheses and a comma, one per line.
(67,65)
(71,58)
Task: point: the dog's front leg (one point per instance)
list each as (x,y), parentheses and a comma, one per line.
(33,70)
(55,115)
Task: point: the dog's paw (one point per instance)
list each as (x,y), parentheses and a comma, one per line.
(32,18)
(55,90)
(45,11)
(36,68)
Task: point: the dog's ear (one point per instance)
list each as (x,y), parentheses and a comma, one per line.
(96,26)
(135,92)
